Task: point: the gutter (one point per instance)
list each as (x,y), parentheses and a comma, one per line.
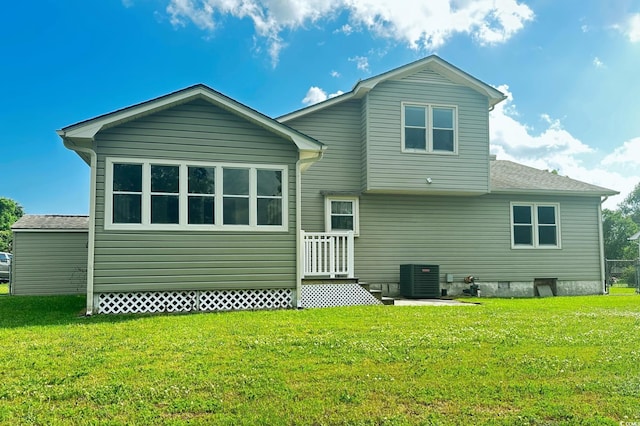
(299,243)
(92,216)
(603,278)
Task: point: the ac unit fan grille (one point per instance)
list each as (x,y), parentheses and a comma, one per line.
(420,281)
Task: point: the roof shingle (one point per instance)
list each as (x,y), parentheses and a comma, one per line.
(52,221)
(507,176)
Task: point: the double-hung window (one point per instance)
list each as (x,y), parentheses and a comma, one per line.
(150,194)
(165,194)
(201,187)
(127,193)
(341,214)
(236,196)
(535,225)
(429,128)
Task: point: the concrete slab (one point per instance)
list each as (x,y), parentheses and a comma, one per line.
(431,302)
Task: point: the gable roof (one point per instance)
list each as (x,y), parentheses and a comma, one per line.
(510,177)
(432,62)
(51,222)
(86,130)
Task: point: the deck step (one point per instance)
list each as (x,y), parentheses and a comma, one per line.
(388,301)
(377,294)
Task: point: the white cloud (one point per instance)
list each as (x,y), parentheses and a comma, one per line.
(362,62)
(598,63)
(632,28)
(201,17)
(554,148)
(346,29)
(517,138)
(316,94)
(421,25)
(628,153)
(335,74)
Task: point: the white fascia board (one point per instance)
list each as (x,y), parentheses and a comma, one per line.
(89,129)
(363,87)
(554,192)
(634,237)
(315,107)
(439,65)
(495,96)
(49,230)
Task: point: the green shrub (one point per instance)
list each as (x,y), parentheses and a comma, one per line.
(629,275)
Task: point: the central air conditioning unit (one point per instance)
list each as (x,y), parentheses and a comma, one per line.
(420,281)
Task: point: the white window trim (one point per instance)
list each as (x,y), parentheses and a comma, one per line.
(356,213)
(183,197)
(429,108)
(534,218)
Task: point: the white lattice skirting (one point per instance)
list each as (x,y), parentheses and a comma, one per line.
(327,295)
(187,301)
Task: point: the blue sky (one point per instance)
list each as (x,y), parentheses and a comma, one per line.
(570,69)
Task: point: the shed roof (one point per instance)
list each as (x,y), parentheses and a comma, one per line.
(507,176)
(51,222)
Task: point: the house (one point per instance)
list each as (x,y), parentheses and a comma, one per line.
(199,202)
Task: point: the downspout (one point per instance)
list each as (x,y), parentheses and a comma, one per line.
(603,278)
(299,242)
(92,218)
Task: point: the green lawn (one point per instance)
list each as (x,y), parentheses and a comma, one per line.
(615,290)
(572,360)
(4,288)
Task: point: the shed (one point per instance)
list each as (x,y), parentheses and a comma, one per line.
(49,255)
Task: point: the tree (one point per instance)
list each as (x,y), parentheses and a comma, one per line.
(631,205)
(616,229)
(10,212)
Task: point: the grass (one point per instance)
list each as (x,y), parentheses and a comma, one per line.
(620,290)
(571,360)
(4,288)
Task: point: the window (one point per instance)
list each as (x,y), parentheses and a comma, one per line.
(127,193)
(165,182)
(429,128)
(341,214)
(236,196)
(178,195)
(269,197)
(534,225)
(201,195)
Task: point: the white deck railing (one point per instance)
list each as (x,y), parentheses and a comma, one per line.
(327,254)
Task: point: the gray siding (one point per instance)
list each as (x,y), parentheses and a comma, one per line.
(46,263)
(471,236)
(363,144)
(391,170)
(340,127)
(468,235)
(427,76)
(195,260)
